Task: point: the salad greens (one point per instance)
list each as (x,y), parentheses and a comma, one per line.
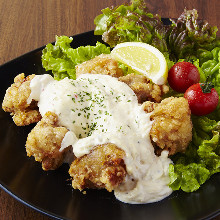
(211,66)
(61,59)
(201,159)
(186,39)
(190,34)
(131,23)
(134,22)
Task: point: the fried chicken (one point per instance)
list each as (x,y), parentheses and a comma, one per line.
(144,90)
(15,101)
(44,142)
(105,64)
(102,64)
(172,126)
(103,167)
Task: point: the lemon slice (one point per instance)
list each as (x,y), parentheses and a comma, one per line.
(143,58)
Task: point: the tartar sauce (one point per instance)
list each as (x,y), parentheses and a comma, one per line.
(99,109)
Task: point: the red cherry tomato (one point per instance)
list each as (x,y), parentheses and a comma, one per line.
(182,75)
(201,103)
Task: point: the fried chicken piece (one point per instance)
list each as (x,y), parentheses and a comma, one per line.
(172,126)
(44,142)
(144,90)
(105,64)
(149,106)
(102,64)
(103,167)
(15,101)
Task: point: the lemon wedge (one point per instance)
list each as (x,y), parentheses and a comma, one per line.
(144,59)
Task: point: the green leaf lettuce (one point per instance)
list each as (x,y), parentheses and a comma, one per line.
(61,59)
(201,159)
(127,23)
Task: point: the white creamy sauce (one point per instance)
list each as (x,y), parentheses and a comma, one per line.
(99,109)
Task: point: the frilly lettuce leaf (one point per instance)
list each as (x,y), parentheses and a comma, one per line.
(183,39)
(189,34)
(201,159)
(188,178)
(61,59)
(211,66)
(198,30)
(131,23)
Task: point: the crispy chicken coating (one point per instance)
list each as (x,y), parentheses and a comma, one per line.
(103,167)
(44,142)
(144,90)
(172,126)
(105,64)
(102,64)
(15,101)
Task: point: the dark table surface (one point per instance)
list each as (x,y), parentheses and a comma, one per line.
(27,25)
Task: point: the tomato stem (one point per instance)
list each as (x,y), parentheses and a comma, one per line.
(206,87)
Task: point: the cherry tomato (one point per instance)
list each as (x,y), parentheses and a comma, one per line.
(182,75)
(200,102)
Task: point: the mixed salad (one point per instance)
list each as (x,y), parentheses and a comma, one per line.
(186,40)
